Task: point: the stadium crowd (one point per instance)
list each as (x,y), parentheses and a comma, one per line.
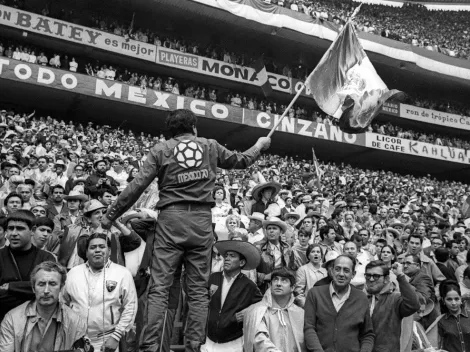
(305,255)
(440,31)
(199,91)
(285,231)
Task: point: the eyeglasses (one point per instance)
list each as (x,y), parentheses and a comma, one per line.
(373,276)
(408,263)
(303,235)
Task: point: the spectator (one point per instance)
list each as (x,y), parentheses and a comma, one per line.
(309,274)
(423,285)
(276,322)
(42,232)
(231,293)
(43,323)
(18,260)
(58,205)
(388,308)
(326,306)
(274,252)
(99,179)
(89,301)
(442,258)
(328,236)
(123,239)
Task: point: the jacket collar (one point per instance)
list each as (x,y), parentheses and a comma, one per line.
(31,311)
(463,312)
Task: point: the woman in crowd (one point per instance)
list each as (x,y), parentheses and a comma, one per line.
(388,255)
(232,222)
(454,325)
(132,174)
(322,221)
(308,274)
(350,227)
(220,212)
(239,210)
(377,232)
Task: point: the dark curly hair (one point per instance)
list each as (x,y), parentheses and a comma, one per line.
(181,121)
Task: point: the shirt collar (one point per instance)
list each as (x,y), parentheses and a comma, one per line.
(463,312)
(108,264)
(333,291)
(230,278)
(32,311)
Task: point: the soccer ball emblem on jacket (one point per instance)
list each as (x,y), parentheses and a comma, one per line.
(188,154)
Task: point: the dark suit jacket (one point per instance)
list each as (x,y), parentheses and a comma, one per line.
(52,211)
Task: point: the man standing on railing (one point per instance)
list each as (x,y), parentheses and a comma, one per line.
(186,167)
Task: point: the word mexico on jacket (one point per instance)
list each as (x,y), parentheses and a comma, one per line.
(189,154)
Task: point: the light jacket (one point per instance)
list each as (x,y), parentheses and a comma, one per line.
(120,299)
(17,327)
(255,314)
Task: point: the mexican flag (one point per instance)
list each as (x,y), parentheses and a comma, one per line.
(346,86)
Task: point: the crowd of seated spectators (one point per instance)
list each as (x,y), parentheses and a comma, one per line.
(440,31)
(57,180)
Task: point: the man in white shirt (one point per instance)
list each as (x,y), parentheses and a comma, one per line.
(84,293)
(255,228)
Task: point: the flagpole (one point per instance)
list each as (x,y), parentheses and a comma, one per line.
(356,10)
(290,105)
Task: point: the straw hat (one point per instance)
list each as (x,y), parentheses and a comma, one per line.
(93,205)
(75,195)
(276,222)
(257,216)
(257,190)
(246,249)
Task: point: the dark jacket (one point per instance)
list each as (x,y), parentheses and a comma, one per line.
(19,290)
(222,323)
(390,309)
(446,271)
(325,329)
(52,211)
(177,183)
(92,181)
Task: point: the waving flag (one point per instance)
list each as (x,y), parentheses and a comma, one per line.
(346,86)
(262,76)
(318,172)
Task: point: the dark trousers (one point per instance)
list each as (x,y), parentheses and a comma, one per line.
(181,237)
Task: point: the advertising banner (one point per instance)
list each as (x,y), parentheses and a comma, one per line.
(117,91)
(215,68)
(301,127)
(391,109)
(435,117)
(74,33)
(409,147)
